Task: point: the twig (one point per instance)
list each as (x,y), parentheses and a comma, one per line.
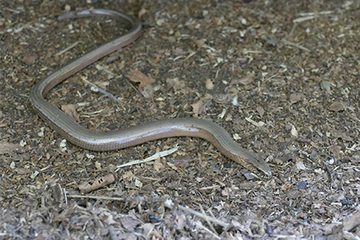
(96,197)
(207,220)
(98,89)
(294,45)
(153,157)
(211,219)
(67,49)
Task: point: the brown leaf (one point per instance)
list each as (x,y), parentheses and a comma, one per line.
(342,135)
(70,110)
(179,51)
(260,111)
(337,107)
(147,91)
(335,150)
(158,165)
(200,43)
(155,62)
(110,219)
(145,86)
(209,84)
(29,58)
(129,223)
(175,83)
(249,78)
(352,221)
(102,84)
(6,147)
(23,171)
(296,97)
(198,107)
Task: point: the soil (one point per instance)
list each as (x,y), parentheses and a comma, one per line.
(281,76)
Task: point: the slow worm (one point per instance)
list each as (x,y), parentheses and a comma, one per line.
(106,141)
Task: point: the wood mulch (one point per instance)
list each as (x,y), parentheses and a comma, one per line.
(281,76)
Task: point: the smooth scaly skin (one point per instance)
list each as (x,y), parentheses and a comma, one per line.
(106,141)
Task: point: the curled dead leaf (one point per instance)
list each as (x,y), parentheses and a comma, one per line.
(70,110)
(145,86)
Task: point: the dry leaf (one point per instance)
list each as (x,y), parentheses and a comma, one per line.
(142,12)
(70,110)
(260,111)
(198,107)
(300,165)
(29,58)
(147,91)
(102,84)
(97,165)
(175,83)
(337,107)
(172,166)
(278,161)
(294,132)
(138,183)
(200,43)
(9,148)
(179,51)
(158,165)
(127,176)
(258,124)
(110,219)
(326,85)
(335,150)
(249,78)
(352,221)
(296,97)
(129,223)
(209,84)
(57,193)
(145,86)
(341,135)
(155,62)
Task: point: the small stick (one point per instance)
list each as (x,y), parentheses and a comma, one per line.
(67,49)
(170,204)
(151,158)
(112,97)
(96,197)
(207,220)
